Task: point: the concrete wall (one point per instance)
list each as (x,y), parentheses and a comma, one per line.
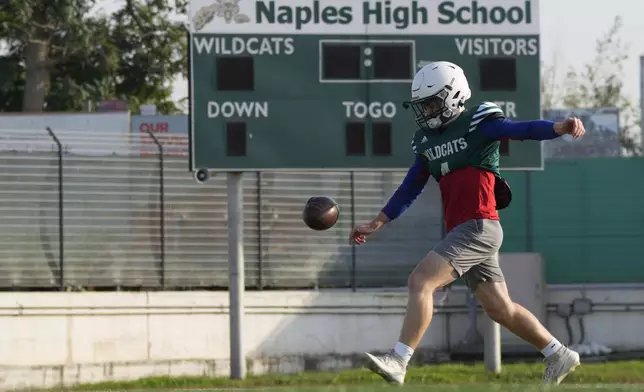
(50,338)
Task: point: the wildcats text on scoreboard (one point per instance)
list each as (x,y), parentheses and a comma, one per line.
(378,16)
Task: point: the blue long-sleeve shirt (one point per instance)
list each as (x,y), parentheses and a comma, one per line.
(498,128)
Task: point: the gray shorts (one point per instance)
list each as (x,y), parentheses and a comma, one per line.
(472,248)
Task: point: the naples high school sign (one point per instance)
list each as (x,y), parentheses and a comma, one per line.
(293,84)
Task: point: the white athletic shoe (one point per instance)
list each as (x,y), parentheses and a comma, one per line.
(559,365)
(389,366)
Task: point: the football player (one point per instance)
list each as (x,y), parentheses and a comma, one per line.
(459,148)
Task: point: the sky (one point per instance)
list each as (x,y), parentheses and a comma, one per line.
(569,29)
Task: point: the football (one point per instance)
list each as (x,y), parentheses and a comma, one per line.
(320,213)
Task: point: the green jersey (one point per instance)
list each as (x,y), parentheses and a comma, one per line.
(460,144)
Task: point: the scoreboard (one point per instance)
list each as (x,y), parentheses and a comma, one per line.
(319,84)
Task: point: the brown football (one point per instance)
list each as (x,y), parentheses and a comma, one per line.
(320,213)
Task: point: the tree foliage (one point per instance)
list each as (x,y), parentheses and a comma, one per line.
(598,84)
(58,54)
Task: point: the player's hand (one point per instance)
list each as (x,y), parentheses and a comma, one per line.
(570,126)
(359,233)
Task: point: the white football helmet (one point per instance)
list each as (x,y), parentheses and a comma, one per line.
(438,94)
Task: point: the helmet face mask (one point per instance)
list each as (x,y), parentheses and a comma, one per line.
(432,112)
(439,92)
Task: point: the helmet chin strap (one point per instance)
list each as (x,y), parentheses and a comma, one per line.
(456,115)
(436,122)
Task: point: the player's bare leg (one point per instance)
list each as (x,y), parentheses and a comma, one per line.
(431,273)
(495,300)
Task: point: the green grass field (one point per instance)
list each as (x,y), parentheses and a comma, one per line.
(613,376)
(414,388)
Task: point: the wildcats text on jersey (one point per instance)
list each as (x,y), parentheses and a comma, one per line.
(445,149)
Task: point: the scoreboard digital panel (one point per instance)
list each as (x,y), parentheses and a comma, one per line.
(319,84)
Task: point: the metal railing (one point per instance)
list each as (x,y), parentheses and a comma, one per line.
(111,211)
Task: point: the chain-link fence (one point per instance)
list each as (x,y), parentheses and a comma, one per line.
(94,218)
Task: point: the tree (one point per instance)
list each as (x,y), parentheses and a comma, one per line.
(550,88)
(40,36)
(153,49)
(598,84)
(59,56)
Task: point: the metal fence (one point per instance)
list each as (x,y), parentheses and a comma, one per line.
(77,212)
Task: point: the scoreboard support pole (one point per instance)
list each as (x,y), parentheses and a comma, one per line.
(236,274)
(491,336)
(492,346)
